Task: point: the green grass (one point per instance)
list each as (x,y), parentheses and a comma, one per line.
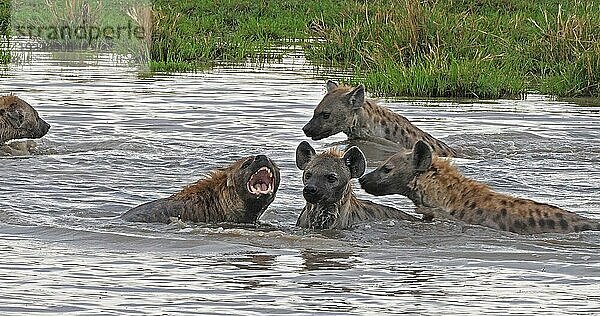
(82,24)
(203,32)
(428,48)
(4,28)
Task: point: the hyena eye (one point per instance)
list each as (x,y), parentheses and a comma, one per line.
(386,169)
(326,115)
(307,175)
(332,178)
(246,163)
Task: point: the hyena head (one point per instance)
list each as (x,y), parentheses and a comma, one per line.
(334,113)
(255,180)
(327,175)
(395,175)
(18,119)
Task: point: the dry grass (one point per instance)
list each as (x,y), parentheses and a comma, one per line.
(74,12)
(143,16)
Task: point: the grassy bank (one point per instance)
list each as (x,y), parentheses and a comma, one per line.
(481,48)
(84,25)
(4,27)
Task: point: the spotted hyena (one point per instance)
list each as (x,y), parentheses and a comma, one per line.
(238,193)
(330,201)
(345,109)
(438,189)
(19,120)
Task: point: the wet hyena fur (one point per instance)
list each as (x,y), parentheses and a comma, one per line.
(19,120)
(345,109)
(239,193)
(330,201)
(438,189)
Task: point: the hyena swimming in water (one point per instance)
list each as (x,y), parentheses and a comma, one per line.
(438,189)
(238,193)
(345,109)
(19,120)
(330,201)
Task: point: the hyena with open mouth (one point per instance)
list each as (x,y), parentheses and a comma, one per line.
(438,189)
(346,110)
(330,201)
(239,193)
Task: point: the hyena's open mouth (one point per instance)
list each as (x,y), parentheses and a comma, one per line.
(261,182)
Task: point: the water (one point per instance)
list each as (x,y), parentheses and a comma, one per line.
(118,140)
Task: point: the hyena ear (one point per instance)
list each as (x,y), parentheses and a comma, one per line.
(355,160)
(304,153)
(421,156)
(331,85)
(356,97)
(14,117)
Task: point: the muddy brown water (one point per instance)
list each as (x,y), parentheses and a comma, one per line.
(118,140)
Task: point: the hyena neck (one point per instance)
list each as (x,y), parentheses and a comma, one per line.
(325,216)
(443,186)
(369,121)
(210,200)
(373,121)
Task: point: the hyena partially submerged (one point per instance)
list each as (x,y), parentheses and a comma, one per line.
(19,120)
(438,189)
(345,109)
(330,201)
(238,193)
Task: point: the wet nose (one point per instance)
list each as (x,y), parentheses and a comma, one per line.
(45,126)
(42,127)
(261,158)
(310,190)
(306,129)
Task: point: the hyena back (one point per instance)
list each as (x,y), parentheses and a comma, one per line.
(438,189)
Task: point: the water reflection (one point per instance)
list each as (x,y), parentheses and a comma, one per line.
(327,260)
(254,261)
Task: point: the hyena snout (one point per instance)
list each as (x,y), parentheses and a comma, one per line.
(315,130)
(43,128)
(370,182)
(312,194)
(308,130)
(366,183)
(261,158)
(38,129)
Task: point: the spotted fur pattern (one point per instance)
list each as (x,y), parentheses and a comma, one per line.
(345,109)
(438,189)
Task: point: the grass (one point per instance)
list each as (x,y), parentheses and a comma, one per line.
(419,48)
(202,32)
(427,48)
(85,25)
(4,28)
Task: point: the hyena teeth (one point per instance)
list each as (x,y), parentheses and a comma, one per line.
(215,206)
